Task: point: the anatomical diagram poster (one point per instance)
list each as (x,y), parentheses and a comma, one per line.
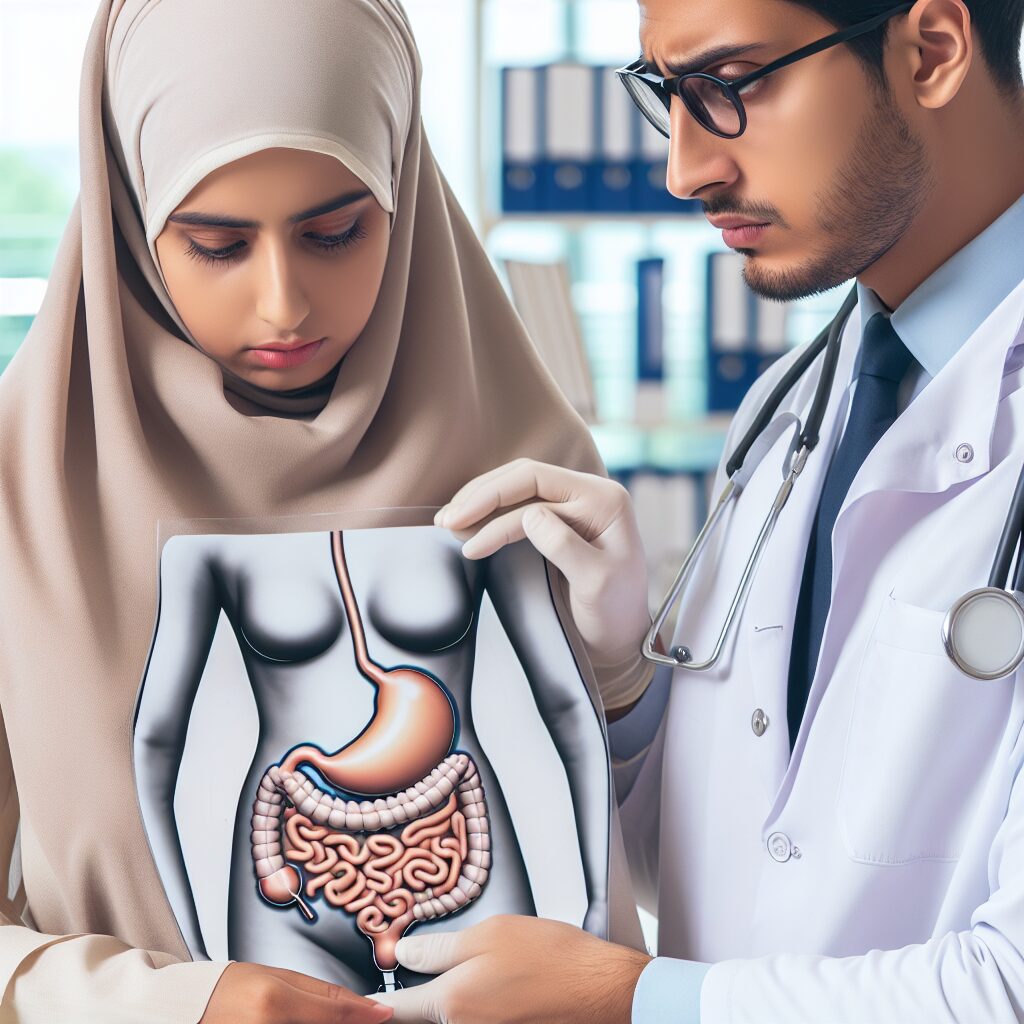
(343,736)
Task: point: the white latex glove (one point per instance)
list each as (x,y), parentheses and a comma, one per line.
(515,970)
(585,526)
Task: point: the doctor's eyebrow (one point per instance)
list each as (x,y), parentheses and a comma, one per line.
(223,220)
(705,58)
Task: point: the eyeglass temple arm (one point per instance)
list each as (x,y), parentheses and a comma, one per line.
(822,44)
(844,35)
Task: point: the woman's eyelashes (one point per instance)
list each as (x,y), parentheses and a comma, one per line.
(204,255)
(318,242)
(346,238)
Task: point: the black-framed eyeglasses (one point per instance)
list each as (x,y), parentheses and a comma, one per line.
(717,104)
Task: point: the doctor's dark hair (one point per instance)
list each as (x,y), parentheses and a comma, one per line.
(996,24)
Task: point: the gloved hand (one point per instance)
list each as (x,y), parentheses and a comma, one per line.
(515,970)
(585,526)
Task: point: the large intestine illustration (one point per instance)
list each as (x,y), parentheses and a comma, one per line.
(402,834)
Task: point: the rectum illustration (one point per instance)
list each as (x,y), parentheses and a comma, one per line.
(414,846)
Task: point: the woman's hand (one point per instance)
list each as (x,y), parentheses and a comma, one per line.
(584,525)
(255,994)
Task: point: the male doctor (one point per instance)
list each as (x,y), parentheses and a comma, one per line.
(830,822)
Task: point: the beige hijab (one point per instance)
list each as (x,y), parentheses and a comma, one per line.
(114,424)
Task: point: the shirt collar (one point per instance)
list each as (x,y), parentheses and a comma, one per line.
(942,312)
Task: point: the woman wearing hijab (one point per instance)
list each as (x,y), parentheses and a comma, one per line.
(280,389)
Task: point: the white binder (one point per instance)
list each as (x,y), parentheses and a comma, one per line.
(730,308)
(570,137)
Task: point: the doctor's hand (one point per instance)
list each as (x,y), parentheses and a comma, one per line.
(255,994)
(585,526)
(513,970)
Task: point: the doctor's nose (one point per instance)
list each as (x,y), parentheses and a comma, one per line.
(699,163)
(280,298)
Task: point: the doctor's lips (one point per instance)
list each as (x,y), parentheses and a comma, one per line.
(738,232)
(283,355)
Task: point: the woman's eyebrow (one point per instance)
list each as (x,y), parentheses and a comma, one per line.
(345,199)
(223,220)
(707,58)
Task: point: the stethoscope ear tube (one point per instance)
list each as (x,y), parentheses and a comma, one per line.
(829,339)
(682,656)
(809,438)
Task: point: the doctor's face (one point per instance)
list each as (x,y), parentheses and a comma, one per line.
(827,163)
(274,262)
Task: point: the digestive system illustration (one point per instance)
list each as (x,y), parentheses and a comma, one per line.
(403,838)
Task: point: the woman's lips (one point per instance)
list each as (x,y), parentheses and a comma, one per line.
(744,235)
(285,358)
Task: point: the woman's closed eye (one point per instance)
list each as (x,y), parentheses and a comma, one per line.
(340,240)
(222,255)
(318,241)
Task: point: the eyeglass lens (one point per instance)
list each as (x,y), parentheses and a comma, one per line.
(652,101)
(707,101)
(711,104)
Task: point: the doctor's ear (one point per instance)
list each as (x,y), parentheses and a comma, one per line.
(937,41)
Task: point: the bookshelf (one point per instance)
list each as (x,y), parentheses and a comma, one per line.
(602,247)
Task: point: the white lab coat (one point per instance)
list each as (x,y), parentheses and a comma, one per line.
(903,899)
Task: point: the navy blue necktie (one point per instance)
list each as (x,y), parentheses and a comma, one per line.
(884,360)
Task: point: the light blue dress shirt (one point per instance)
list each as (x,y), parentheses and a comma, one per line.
(933,322)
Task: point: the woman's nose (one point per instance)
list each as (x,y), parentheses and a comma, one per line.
(281,300)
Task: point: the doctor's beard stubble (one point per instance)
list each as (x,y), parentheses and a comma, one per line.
(872,201)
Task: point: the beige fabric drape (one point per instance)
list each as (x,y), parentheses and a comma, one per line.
(113,421)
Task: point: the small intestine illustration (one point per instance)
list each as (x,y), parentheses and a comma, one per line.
(402,836)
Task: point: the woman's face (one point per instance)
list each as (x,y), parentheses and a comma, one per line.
(274,263)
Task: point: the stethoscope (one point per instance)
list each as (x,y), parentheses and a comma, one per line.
(983,632)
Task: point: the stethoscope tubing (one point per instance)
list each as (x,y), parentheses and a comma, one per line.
(828,340)
(1013,528)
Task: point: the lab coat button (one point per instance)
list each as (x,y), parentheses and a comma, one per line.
(780,847)
(964,453)
(759,722)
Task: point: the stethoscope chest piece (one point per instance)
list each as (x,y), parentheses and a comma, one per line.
(983,632)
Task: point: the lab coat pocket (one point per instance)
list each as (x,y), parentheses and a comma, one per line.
(921,739)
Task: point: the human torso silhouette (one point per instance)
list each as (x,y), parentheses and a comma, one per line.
(418,605)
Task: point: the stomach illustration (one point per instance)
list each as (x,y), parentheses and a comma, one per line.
(392,827)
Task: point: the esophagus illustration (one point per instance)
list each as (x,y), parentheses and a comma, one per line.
(397,832)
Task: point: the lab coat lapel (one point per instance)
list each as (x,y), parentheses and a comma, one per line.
(919,452)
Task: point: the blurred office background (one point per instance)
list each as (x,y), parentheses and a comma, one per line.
(629,294)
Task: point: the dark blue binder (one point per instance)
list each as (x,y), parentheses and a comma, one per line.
(651,192)
(650,323)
